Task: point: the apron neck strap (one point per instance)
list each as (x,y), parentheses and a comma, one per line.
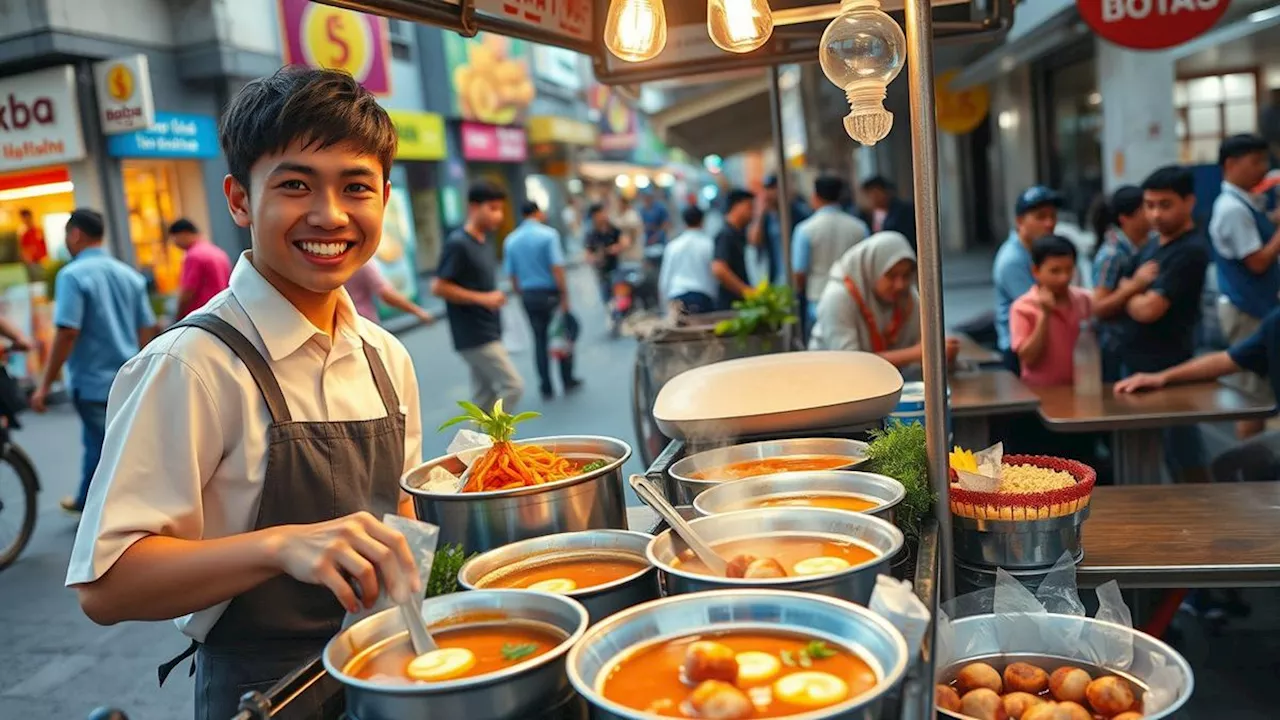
(382,380)
(880,341)
(249,355)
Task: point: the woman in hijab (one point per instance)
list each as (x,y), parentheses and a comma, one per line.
(871,303)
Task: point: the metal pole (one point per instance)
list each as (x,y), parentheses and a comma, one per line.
(780,158)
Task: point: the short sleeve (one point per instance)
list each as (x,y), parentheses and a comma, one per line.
(1232,230)
(800,253)
(507,269)
(555,250)
(68,302)
(724,248)
(1022,322)
(452,261)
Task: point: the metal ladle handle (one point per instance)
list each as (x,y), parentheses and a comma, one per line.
(652,497)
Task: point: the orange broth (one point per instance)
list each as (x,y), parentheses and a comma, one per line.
(650,679)
(786,549)
(585,571)
(770,466)
(389,662)
(834,501)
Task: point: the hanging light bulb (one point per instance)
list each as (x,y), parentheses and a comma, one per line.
(739,26)
(861,52)
(636,30)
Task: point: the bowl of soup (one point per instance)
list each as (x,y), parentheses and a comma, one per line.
(848,490)
(697,473)
(829,552)
(774,654)
(501,655)
(605,570)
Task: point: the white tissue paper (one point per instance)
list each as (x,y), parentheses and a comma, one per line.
(990,465)
(468,445)
(895,601)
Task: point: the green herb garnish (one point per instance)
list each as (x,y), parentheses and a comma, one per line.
(899,452)
(787,658)
(498,424)
(512,653)
(767,308)
(448,561)
(593,466)
(819,650)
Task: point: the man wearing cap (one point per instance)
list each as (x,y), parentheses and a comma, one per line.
(1245,246)
(1036,213)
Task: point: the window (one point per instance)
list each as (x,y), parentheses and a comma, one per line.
(1211,108)
(401,40)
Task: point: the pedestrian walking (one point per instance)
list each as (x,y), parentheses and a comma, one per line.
(32,245)
(103,316)
(206,269)
(729,264)
(604,243)
(252,447)
(1036,215)
(884,210)
(821,240)
(534,261)
(657,220)
(367,287)
(1122,229)
(686,278)
(467,280)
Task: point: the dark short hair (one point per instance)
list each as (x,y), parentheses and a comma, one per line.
(828,188)
(1171,178)
(529,208)
(595,208)
(692,216)
(1052,246)
(317,108)
(483,191)
(877,182)
(1126,200)
(738,195)
(183,225)
(1240,145)
(771,182)
(87,221)
(24,211)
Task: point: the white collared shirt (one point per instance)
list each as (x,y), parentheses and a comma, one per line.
(185,451)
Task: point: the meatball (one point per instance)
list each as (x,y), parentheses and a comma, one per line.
(1109,695)
(1023,677)
(706,660)
(981,675)
(946,698)
(765,568)
(1017,703)
(1071,711)
(1044,711)
(1128,716)
(983,704)
(720,701)
(1068,684)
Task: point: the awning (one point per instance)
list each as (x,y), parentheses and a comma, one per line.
(722,121)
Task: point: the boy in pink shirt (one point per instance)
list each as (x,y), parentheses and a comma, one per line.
(1045,322)
(206,269)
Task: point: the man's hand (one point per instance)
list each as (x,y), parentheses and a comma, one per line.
(426,317)
(493,300)
(40,398)
(1139,382)
(1046,298)
(1147,273)
(20,344)
(564,304)
(353,549)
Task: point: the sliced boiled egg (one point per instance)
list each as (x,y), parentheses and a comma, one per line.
(821,565)
(555,585)
(811,689)
(441,664)
(757,667)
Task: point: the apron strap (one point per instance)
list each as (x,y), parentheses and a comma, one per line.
(163,671)
(380,378)
(249,355)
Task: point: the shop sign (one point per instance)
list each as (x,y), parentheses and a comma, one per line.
(323,36)
(421,135)
(487,143)
(39,119)
(552,129)
(568,18)
(616,120)
(558,67)
(172,136)
(123,86)
(1151,24)
(490,77)
(960,112)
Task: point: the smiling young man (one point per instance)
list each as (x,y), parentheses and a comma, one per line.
(251,448)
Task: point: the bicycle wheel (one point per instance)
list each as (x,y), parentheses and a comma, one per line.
(18,489)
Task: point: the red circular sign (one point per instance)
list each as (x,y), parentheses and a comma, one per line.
(1151,24)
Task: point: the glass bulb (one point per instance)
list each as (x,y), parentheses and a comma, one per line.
(739,26)
(636,30)
(861,52)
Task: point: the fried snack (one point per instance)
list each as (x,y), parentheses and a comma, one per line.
(708,660)
(1068,684)
(1016,704)
(1044,711)
(1071,711)
(980,675)
(945,697)
(1024,677)
(720,701)
(983,704)
(1109,695)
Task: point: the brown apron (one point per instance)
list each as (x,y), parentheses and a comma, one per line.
(316,471)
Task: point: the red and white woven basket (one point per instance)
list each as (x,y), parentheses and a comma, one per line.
(1027,506)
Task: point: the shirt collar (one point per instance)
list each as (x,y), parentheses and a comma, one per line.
(91,252)
(828,208)
(282,327)
(1243,194)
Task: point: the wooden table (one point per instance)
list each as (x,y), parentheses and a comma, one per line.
(974,355)
(1183,536)
(1135,420)
(976,396)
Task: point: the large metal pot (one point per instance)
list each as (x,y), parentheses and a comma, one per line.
(854,584)
(685,487)
(485,520)
(837,622)
(1018,544)
(748,493)
(601,601)
(519,691)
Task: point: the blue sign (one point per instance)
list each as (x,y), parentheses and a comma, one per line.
(173,136)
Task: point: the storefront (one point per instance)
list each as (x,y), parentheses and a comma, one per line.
(558,146)
(496,154)
(411,228)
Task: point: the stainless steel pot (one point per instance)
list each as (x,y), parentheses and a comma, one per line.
(854,584)
(1018,544)
(749,492)
(485,520)
(837,622)
(601,601)
(518,691)
(1061,640)
(686,487)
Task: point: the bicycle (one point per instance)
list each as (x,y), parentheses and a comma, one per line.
(19,483)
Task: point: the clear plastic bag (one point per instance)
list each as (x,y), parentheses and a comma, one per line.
(422,539)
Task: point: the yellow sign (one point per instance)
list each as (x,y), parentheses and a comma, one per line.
(120,83)
(421,135)
(552,129)
(960,111)
(322,36)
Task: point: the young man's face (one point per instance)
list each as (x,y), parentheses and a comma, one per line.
(600,219)
(1136,227)
(1167,211)
(315,215)
(1248,170)
(740,213)
(487,216)
(1037,222)
(1055,274)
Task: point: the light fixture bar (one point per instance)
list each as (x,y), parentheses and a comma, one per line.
(818,13)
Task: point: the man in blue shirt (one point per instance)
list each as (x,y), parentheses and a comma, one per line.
(534,260)
(103,317)
(657,221)
(1036,213)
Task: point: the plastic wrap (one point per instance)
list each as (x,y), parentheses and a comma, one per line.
(422,539)
(468,445)
(894,601)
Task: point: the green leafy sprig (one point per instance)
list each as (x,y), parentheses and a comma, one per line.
(512,653)
(899,452)
(766,309)
(498,424)
(448,561)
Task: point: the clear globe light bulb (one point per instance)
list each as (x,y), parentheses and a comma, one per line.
(636,30)
(739,26)
(861,52)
